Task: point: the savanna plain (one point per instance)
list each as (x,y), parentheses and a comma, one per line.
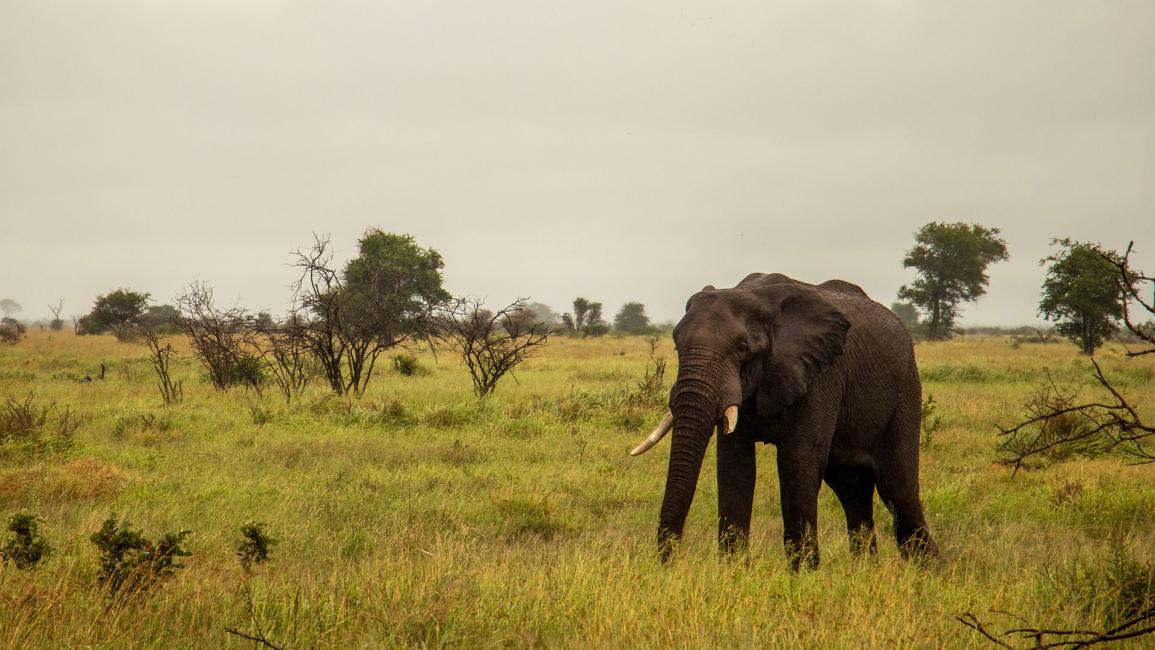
(416,516)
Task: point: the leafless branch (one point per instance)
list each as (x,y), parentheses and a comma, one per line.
(259,637)
(171,392)
(223,340)
(491,343)
(1058,421)
(1131,283)
(1064,638)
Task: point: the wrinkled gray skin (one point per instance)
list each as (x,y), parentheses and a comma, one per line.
(822,372)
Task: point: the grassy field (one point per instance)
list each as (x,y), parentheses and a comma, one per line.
(415,517)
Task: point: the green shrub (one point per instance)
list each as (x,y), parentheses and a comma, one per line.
(406,364)
(931,421)
(255,545)
(1114,589)
(28,547)
(129,562)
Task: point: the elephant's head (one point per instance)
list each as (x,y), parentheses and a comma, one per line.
(762,342)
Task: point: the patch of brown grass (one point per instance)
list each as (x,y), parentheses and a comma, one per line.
(85,479)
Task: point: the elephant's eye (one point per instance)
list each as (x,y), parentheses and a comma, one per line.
(743,346)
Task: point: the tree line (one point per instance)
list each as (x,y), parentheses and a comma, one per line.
(1082,292)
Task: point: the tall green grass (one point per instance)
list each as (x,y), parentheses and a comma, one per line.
(416,516)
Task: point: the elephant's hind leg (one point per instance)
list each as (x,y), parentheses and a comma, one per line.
(897,477)
(854,487)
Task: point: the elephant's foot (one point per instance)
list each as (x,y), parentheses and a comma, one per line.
(733,540)
(802,553)
(667,541)
(917,545)
(863,541)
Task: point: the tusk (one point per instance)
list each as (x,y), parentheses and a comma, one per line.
(731,418)
(664,427)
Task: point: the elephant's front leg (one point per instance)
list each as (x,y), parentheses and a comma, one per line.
(736,473)
(799,478)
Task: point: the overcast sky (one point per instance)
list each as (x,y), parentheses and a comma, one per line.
(614,150)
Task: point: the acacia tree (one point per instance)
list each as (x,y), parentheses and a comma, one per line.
(118,311)
(384,298)
(632,318)
(491,343)
(951,260)
(1081,293)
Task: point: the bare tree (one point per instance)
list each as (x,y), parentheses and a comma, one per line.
(491,343)
(287,355)
(56,325)
(171,392)
(223,340)
(1058,420)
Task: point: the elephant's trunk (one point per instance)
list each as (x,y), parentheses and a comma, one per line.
(696,404)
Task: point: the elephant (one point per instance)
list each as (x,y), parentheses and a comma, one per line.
(825,374)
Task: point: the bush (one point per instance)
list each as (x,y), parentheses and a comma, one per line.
(931,421)
(406,364)
(129,562)
(28,428)
(255,545)
(11,330)
(1115,588)
(27,548)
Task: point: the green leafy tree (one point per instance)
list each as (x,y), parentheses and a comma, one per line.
(632,319)
(160,318)
(581,310)
(907,313)
(1081,294)
(120,312)
(384,298)
(951,260)
(10,307)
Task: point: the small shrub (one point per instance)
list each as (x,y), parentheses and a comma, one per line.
(259,413)
(255,545)
(129,562)
(450,417)
(28,547)
(931,421)
(394,412)
(32,429)
(407,365)
(1114,589)
(128,423)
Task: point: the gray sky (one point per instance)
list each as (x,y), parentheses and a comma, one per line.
(619,151)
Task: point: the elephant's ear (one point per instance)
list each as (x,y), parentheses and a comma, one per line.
(806,336)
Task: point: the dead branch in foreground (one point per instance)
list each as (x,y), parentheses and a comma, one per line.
(1037,636)
(1057,421)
